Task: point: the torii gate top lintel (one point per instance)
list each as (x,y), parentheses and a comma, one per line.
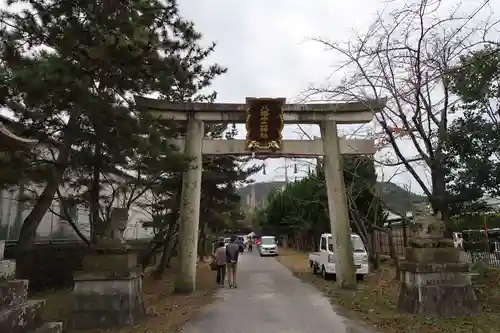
(264,120)
(341,113)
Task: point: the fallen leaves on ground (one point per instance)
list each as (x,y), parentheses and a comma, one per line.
(166,312)
(375,301)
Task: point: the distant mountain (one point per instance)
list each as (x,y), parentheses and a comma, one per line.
(262,191)
(395,197)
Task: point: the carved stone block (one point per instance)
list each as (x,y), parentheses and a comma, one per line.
(434,255)
(435,282)
(108,293)
(111,261)
(17,313)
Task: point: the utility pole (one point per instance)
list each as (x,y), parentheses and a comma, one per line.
(287,177)
(286,172)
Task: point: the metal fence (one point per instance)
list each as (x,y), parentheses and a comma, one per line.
(483,258)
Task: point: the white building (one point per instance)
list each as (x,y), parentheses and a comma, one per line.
(55,226)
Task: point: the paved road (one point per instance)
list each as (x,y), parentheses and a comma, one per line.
(269,299)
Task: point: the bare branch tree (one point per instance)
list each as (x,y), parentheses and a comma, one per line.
(407,55)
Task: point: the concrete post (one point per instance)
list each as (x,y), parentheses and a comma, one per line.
(337,206)
(190,209)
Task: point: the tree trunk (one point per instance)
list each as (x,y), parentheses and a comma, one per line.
(439,198)
(174,245)
(202,244)
(164,234)
(162,265)
(375,255)
(153,246)
(30,224)
(168,245)
(70,220)
(95,206)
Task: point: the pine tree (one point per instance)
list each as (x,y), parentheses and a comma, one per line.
(69,70)
(220,202)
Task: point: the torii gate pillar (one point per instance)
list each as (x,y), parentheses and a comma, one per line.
(327,115)
(190,208)
(337,206)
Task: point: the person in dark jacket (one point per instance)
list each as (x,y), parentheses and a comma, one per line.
(232,254)
(241,244)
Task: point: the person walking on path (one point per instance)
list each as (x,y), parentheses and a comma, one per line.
(241,245)
(220,258)
(232,254)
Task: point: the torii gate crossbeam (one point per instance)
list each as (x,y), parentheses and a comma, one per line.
(326,115)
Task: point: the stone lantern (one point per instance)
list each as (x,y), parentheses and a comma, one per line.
(435,282)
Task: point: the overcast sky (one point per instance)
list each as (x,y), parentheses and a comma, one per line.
(267,49)
(265,44)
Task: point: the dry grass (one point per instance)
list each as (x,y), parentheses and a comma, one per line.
(167,312)
(375,301)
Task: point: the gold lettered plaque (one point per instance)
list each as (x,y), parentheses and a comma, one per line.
(264,123)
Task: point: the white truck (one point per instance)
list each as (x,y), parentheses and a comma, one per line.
(324,261)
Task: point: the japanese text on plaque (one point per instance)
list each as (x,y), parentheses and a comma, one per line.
(264,123)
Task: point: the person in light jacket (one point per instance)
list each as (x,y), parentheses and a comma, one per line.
(221,260)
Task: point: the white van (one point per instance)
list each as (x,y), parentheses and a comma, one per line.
(324,261)
(268,246)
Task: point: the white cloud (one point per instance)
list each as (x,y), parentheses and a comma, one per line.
(267,48)
(265,45)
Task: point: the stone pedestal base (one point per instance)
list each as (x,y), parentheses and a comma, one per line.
(434,282)
(104,298)
(17,313)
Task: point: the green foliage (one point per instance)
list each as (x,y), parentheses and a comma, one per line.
(302,206)
(476,222)
(221,203)
(394,197)
(479,268)
(69,71)
(474,137)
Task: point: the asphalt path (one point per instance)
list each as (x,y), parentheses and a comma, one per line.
(270,299)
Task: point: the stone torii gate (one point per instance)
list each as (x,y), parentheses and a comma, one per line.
(264,119)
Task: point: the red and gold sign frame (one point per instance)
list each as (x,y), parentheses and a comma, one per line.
(264,123)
